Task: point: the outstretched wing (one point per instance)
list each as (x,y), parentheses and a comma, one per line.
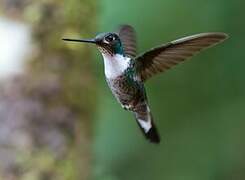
(161,58)
(128,38)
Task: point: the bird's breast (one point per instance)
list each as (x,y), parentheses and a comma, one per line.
(115,65)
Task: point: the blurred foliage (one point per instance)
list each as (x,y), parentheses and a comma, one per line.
(49,108)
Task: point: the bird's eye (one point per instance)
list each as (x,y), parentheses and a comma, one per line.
(110,38)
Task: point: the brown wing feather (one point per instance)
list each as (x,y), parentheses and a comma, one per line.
(128,38)
(161,58)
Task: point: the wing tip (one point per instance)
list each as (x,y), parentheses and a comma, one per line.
(221,36)
(125,26)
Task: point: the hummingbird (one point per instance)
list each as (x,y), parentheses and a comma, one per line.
(126,71)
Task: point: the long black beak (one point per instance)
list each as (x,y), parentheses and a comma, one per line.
(81,40)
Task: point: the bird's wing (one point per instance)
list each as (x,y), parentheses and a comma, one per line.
(161,58)
(128,38)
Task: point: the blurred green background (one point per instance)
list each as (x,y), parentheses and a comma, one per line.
(198,106)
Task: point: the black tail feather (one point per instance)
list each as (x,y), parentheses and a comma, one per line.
(152,135)
(145,121)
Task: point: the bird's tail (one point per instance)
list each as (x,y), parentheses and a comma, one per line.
(146,124)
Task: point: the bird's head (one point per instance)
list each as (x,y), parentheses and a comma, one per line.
(107,43)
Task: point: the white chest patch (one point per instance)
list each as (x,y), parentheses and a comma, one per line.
(115,65)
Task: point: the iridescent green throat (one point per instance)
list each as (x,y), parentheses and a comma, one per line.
(118,49)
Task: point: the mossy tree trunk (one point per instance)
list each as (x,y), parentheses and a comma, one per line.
(53,102)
